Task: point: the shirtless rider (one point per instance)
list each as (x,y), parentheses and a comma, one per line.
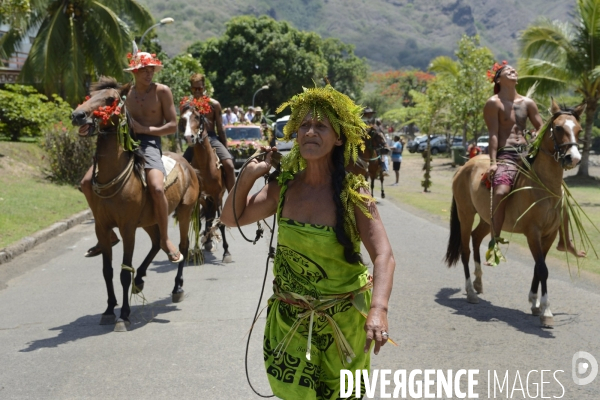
(214,126)
(150,106)
(506,114)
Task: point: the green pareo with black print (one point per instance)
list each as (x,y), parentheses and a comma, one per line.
(316,316)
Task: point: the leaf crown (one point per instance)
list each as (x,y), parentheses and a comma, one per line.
(341,112)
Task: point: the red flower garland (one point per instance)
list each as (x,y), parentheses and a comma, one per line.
(108,111)
(491,74)
(202,105)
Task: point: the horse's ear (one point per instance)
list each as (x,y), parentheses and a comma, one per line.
(124,90)
(579,110)
(554,108)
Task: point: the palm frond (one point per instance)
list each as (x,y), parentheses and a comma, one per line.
(444,65)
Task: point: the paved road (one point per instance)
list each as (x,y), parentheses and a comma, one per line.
(51,346)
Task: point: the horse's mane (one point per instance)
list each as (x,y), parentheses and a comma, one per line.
(105,82)
(569,110)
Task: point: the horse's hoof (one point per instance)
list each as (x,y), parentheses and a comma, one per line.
(536,311)
(209,246)
(547,322)
(227,259)
(138,288)
(177,297)
(472,298)
(122,325)
(108,319)
(478,287)
(382,195)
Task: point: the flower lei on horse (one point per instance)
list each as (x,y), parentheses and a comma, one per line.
(345,118)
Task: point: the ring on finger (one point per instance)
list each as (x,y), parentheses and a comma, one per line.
(384,333)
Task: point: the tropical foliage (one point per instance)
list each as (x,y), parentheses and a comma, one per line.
(559,56)
(76,42)
(68,155)
(254,52)
(468,85)
(25,112)
(176,75)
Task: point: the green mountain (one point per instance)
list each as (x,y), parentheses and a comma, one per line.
(391,34)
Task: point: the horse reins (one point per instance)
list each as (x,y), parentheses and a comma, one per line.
(270,255)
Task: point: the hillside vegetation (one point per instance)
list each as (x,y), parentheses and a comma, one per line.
(391,34)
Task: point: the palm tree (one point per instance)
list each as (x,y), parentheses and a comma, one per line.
(77,40)
(561,56)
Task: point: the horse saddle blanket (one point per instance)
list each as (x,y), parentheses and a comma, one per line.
(171,176)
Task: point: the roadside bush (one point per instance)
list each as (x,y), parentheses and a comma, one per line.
(69,155)
(25,112)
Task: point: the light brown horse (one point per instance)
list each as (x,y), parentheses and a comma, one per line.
(540,223)
(369,161)
(193,126)
(120,199)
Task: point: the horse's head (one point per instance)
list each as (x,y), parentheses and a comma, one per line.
(102,108)
(191,122)
(563,135)
(377,142)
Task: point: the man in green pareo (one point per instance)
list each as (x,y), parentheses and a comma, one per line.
(326,310)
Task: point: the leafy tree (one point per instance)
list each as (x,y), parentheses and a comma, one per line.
(77,40)
(254,52)
(345,71)
(561,56)
(25,112)
(468,85)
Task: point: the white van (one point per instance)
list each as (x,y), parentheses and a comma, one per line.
(278,128)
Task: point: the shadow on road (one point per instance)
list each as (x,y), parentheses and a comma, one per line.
(487,312)
(88,326)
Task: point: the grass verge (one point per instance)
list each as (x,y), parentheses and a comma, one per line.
(28,202)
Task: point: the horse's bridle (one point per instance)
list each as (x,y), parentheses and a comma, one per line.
(96,124)
(200,136)
(558,153)
(369,146)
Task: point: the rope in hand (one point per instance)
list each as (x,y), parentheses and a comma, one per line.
(259,234)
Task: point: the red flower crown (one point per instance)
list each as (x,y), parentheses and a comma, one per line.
(141,60)
(202,105)
(491,73)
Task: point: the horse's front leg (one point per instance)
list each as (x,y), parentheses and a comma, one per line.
(539,248)
(226,254)
(154,234)
(103,235)
(127,272)
(382,191)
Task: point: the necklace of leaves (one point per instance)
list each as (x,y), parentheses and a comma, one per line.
(143,98)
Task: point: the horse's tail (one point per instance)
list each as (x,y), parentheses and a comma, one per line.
(455,241)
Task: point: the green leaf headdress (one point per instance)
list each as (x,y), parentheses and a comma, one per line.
(324,102)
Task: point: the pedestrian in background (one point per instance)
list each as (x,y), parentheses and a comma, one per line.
(397,149)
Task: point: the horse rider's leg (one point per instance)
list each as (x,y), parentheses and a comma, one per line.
(128,235)
(565,243)
(229,173)
(154,235)
(480,232)
(108,317)
(466,218)
(499,207)
(539,248)
(209,216)
(88,192)
(188,154)
(155,178)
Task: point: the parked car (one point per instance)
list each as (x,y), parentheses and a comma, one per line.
(278,128)
(483,142)
(413,145)
(242,142)
(438,145)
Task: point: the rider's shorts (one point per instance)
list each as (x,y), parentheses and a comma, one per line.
(150,147)
(508,167)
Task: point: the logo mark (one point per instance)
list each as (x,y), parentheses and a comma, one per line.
(580,368)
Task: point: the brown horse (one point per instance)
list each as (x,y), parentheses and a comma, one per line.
(211,175)
(533,207)
(369,161)
(121,200)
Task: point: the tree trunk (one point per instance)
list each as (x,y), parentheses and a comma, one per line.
(584,166)
(465,134)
